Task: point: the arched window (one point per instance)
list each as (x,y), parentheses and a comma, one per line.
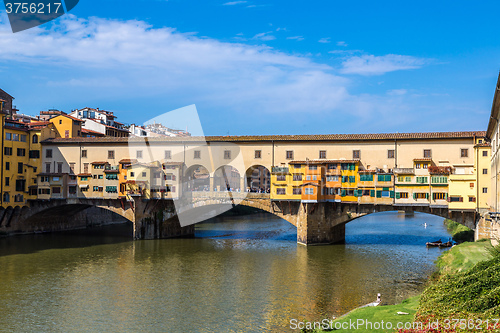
(34,139)
(6,197)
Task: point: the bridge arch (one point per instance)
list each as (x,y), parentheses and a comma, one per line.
(258,179)
(45,216)
(197,178)
(227,177)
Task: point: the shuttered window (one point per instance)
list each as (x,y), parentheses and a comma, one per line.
(365,178)
(384,178)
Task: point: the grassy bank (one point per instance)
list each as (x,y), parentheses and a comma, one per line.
(465,272)
(460,233)
(468,287)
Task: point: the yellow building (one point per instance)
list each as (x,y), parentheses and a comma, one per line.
(21,161)
(66,126)
(349,178)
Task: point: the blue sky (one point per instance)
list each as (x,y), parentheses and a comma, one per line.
(264,67)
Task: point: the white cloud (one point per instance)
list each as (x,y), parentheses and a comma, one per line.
(232,3)
(145,60)
(109,60)
(397,92)
(297,38)
(377,65)
(324,40)
(264,36)
(341,43)
(345,51)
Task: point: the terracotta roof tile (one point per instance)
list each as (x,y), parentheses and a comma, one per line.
(99,162)
(127,161)
(250,138)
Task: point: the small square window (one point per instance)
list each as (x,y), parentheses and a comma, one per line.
(168,154)
(84,153)
(485,153)
(464,152)
(427,153)
(258,154)
(111,154)
(485,190)
(227,154)
(356,154)
(485,171)
(144,174)
(390,153)
(197,154)
(138,154)
(322,154)
(289,154)
(48,153)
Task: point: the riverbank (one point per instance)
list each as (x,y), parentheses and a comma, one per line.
(451,265)
(459,232)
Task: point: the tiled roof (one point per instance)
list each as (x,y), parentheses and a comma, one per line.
(84,175)
(367,171)
(314,137)
(84,130)
(127,161)
(423,159)
(100,162)
(68,116)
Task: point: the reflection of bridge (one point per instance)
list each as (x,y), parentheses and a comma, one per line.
(317,223)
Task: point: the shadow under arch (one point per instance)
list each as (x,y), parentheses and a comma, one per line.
(246,222)
(468,220)
(75,216)
(258,179)
(396,228)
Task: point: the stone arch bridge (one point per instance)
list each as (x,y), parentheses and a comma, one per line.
(317,223)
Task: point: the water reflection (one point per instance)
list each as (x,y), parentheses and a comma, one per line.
(238,274)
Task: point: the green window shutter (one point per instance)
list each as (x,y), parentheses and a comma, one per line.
(379,178)
(427,195)
(398,195)
(353,167)
(352,179)
(343,193)
(414,196)
(357,193)
(385,189)
(372,193)
(392,194)
(379,194)
(370,178)
(446,196)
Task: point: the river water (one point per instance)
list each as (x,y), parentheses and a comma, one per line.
(239,274)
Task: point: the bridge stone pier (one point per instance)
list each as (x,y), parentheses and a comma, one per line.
(317,223)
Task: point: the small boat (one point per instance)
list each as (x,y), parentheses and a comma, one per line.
(447,244)
(436,243)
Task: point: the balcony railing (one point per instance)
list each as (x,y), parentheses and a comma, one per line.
(280,170)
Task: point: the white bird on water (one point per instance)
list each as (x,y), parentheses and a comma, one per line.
(425,224)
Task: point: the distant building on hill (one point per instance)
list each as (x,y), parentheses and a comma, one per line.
(156,130)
